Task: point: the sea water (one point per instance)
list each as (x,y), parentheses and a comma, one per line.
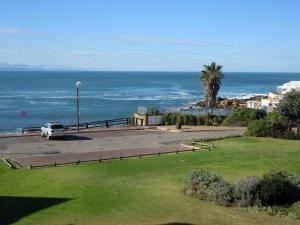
(31,98)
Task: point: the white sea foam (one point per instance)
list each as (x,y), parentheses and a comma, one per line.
(171,95)
(232,95)
(32,102)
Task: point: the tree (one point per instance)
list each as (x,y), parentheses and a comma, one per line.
(211,78)
(289,106)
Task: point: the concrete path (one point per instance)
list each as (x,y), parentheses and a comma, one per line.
(90,145)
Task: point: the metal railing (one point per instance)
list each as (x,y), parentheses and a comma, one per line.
(95,124)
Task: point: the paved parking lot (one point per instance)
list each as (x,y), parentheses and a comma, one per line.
(35,146)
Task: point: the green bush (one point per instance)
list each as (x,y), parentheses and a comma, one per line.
(200,120)
(258,128)
(187,119)
(279,188)
(243,117)
(180,119)
(270,210)
(281,211)
(276,193)
(208,119)
(292,135)
(174,119)
(208,186)
(167,118)
(247,192)
(274,125)
(217,120)
(170,118)
(294,210)
(193,120)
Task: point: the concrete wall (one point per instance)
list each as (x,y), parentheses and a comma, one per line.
(140,119)
(145,120)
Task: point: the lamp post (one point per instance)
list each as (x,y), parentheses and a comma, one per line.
(77,103)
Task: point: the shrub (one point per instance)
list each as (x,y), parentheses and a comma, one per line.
(174,118)
(208,186)
(208,119)
(170,118)
(200,120)
(257,128)
(187,119)
(294,211)
(270,210)
(292,135)
(289,106)
(274,125)
(180,118)
(279,188)
(246,192)
(193,120)
(167,118)
(217,120)
(243,117)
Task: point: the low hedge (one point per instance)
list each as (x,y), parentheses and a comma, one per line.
(280,188)
(275,188)
(247,192)
(274,125)
(171,118)
(208,186)
(243,117)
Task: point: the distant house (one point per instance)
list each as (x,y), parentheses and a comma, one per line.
(287,87)
(252,104)
(273,99)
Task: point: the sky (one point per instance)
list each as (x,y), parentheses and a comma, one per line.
(152,35)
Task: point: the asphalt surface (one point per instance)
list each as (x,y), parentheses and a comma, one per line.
(20,148)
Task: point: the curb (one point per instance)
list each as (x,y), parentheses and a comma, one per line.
(190,147)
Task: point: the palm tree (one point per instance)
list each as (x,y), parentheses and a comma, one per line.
(211,78)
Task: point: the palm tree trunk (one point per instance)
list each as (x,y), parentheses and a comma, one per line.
(208,99)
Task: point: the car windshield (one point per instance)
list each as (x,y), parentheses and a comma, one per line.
(57,126)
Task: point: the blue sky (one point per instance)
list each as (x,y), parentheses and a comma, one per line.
(156,35)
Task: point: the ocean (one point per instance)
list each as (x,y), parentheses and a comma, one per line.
(30,98)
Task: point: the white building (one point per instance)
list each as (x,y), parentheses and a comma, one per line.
(287,87)
(268,104)
(273,98)
(252,105)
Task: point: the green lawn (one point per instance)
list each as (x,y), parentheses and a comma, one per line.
(142,191)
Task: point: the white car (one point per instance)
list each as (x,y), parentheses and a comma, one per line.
(53,130)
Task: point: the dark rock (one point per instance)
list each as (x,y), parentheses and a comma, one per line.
(225,103)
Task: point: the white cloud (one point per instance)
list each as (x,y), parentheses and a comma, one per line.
(157,40)
(13,31)
(84,53)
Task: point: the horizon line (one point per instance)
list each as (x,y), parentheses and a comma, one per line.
(133,71)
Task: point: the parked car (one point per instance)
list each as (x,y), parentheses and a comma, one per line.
(53,130)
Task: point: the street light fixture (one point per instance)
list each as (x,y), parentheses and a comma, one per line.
(77,103)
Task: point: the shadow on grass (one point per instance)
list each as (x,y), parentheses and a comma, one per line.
(13,209)
(76,138)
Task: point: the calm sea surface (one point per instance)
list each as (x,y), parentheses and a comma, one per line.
(50,96)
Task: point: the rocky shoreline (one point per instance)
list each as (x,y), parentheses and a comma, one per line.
(227,103)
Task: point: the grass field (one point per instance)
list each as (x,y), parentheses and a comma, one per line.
(141,191)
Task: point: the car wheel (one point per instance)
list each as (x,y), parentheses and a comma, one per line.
(48,137)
